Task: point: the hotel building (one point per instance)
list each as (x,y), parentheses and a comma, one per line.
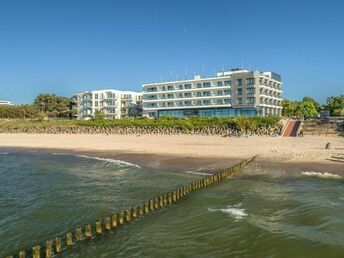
(237,92)
(112,103)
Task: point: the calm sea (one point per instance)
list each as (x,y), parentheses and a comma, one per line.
(43,194)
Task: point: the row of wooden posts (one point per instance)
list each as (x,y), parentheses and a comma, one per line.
(58,244)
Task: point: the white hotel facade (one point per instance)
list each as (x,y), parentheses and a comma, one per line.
(112,103)
(237,92)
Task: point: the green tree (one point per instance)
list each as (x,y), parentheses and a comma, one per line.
(289,108)
(335,105)
(99,115)
(54,106)
(306,109)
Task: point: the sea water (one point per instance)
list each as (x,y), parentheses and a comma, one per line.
(44,194)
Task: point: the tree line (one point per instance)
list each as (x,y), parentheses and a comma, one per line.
(309,108)
(44,106)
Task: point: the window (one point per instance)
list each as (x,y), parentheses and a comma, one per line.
(151,105)
(152,89)
(180,104)
(170,104)
(180,95)
(219,83)
(239,101)
(164,88)
(219,93)
(199,85)
(239,91)
(250,81)
(170,88)
(187,86)
(227,92)
(163,104)
(96,96)
(170,96)
(187,103)
(180,87)
(219,101)
(187,95)
(199,94)
(199,102)
(163,96)
(150,97)
(206,84)
(250,91)
(250,100)
(206,102)
(239,82)
(96,103)
(228,83)
(206,93)
(228,101)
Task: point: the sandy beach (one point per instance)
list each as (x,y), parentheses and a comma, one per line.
(275,148)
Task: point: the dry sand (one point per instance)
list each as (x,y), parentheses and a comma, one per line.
(272,148)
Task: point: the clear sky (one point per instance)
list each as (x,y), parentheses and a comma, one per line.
(65,46)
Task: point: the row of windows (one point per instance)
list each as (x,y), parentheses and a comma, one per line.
(205,102)
(189,94)
(239,82)
(214,112)
(249,101)
(248,91)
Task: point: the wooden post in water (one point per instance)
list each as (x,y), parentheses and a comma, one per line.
(114,221)
(69,240)
(156,203)
(134,212)
(58,245)
(161,201)
(88,231)
(48,248)
(22,254)
(36,251)
(169,198)
(151,204)
(121,217)
(165,200)
(127,215)
(107,223)
(78,233)
(146,207)
(141,209)
(99,227)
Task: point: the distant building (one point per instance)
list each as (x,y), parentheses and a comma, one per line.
(5,102)
(237,92)
(113,103)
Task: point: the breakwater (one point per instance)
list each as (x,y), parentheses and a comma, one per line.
(98,229)
(213,130)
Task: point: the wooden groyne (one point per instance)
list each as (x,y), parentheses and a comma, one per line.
(58,244)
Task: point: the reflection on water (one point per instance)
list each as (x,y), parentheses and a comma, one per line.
(255,216)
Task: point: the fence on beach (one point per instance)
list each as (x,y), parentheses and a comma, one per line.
(60,243)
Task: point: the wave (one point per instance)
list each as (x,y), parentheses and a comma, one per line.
(321,175)
(234,211)
(60,153)
(111,161)
(3,153)
(198,173)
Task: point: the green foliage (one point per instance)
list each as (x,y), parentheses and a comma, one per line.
(21,111)
(335,105)
(99,115)
(307,108)
(54,106)
(240,123)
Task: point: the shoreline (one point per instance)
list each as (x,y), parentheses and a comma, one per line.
(196,153)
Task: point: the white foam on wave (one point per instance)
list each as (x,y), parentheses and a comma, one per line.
(3,153)
(111,161)
(321,175)
(59,153)
(198,173)
(234,211)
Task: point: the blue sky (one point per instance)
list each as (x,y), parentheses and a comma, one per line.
(65,46)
